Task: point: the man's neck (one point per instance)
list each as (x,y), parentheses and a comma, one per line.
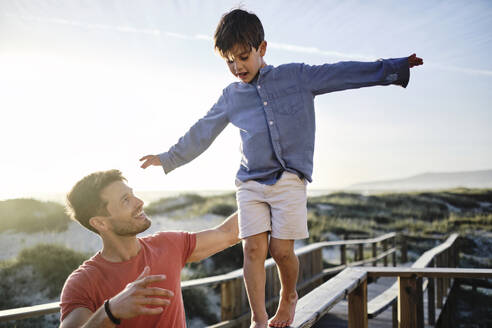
(120,249)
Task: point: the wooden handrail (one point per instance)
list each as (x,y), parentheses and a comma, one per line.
(469,273)
(318,302)
(215,280)
(353,279)
(389,297)
(29,311)
(426,258)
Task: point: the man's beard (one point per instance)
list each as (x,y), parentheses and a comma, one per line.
(126,229)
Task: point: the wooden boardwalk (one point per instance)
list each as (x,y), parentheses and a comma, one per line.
(338,315)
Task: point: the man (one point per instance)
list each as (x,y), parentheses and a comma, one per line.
(131,282)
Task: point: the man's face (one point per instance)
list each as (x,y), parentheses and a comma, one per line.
(245,63)
(126,215)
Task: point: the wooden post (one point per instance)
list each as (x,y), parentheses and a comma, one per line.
(431,302)
(393,258)
(404,250)
(360,255)
(445,262)
(343,254)
(410,303)
(439,285)
(317,267)
(374,253)
(230,299)
(457,253)
(357,307)
(271,286)
(394,315)
(385,248)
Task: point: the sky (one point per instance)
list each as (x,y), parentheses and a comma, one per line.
(95,85)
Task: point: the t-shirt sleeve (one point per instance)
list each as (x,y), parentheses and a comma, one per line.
(189,244)
(178,243)
(75,295)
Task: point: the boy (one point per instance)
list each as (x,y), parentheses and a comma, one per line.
(274,109)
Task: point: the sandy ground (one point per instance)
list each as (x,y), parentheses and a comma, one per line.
(80,239)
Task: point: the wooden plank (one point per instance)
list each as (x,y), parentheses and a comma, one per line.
(384,300)
(212,281)
(429,272)
(357,307)
(427,257)
(309,307)
(29,311)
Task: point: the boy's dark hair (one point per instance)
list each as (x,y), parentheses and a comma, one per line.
(84,200)
(238,27)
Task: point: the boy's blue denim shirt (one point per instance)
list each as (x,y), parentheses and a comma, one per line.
(275,115)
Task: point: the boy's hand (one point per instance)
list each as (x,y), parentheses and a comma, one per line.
(413,60)
(150,160)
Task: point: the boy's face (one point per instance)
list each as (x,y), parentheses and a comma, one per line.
(244,63)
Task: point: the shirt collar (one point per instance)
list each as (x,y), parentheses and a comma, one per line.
(265,69)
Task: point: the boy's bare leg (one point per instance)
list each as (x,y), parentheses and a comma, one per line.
(255,251)
(282,252)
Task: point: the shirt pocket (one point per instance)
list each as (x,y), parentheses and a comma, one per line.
(287,100)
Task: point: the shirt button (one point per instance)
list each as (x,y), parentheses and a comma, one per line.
(259,87)
(265,103)
(271,122)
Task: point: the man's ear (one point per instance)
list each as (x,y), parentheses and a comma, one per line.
(98,223)
(263,47)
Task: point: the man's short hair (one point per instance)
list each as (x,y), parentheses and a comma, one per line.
(238,27)
(84,200)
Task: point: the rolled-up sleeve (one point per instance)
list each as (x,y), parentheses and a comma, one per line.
(320,79)
(198,138)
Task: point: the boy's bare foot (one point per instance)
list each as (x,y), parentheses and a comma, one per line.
(285,312)
(259,320)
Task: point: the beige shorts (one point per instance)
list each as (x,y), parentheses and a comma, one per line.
(280,208)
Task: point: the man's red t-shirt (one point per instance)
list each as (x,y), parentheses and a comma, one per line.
(96,279)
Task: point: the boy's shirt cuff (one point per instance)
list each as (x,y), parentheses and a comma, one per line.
(403,71)
(166,162)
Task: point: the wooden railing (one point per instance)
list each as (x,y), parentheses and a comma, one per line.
(353,282)
(234,303)
(406,295)
(443,255)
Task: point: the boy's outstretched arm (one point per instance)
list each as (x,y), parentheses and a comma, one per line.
(150,160)
(198,138)
(413,60)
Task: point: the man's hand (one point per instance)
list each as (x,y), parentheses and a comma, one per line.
(134,299)
(150,160)
(413,60)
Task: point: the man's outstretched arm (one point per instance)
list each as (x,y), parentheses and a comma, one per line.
(211,241)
